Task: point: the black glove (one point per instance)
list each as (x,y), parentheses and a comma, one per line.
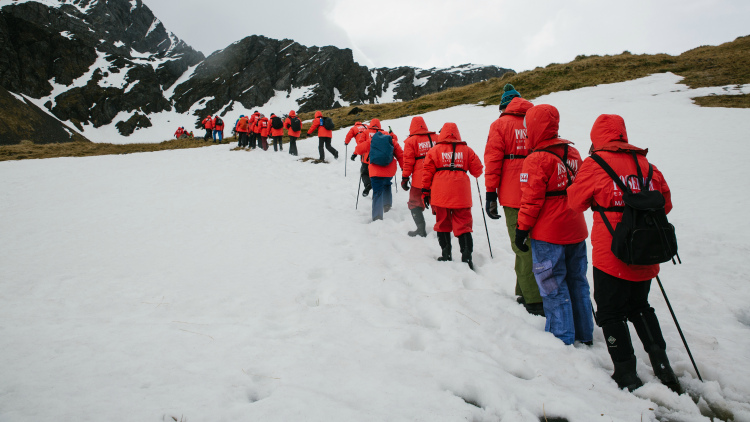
(405,183)
(521,236)
(426,197)
(354,157)
(492,206)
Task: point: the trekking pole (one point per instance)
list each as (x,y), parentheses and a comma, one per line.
(346,155)
(479,192)
(678,328)
(358,186)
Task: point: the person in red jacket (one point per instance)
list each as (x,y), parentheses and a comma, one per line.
(365,136)
(446,185)
(380,176)
(324,136)
(621,290)
(558,234)
(208,124)
(242,129)
(364,172)
(416,146)
(503,158)
(178,133)
(263,126)
(291,121)
(254,133)
(218,129)
(276,134)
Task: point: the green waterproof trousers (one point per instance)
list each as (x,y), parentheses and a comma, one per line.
(525,281)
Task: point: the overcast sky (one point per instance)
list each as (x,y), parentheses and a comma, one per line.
(516,34)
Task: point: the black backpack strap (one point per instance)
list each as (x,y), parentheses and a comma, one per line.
(431,145)
(453,164)
(607,168)
(514,157)
(568,170)
(645,184)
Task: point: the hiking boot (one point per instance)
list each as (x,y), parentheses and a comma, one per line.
(535,308)
(366,192)
(663,370)
(521,300)
(445,244)
(625,375)
(418,215)
(466,243)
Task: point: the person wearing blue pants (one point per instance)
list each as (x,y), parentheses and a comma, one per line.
(558,234)
(380,176)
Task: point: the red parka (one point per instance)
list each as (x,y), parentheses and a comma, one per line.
(505,152)
(208,122)
(263,126)
(272,131)
(450,188)
(416,146)
(363,149)
(218,127)
(317,124)
(288,125)
(594,187)
(355,130)
(548,217)
(243,125)
(179,132)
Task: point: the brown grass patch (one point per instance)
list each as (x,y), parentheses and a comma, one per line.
(28,150)
(729,101)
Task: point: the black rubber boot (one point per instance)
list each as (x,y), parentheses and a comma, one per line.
(466,242)
(445,244)
(647,326)
(620,348)
(418,216)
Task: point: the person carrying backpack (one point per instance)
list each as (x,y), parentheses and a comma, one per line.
(243,128)
(416,146)
(503,158)
(324,136)
(382,151)
(558,234)
(276,131)
(218,129)
(446,185)
(254,133)
(178,133)
(264,128)
(293,126)
(364,171)
(208,124)
(621,290)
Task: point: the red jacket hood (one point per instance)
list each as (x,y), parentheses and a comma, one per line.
(518,107)
(418,127)
(609,134)
(542,123)
(375,123)
(292,113)
(318,114)
(450,134)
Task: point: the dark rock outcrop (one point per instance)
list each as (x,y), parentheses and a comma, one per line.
(21,120)
(88,61)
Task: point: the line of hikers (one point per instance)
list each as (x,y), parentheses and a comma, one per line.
(254,131)
(544,187)
(181,133)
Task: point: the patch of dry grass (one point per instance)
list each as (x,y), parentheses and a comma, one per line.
(29,150)
(729,101)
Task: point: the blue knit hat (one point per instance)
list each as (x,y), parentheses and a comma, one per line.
(509,93)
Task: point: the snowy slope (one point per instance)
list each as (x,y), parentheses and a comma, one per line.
(209,285)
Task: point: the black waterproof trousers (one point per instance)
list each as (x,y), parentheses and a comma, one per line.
(326,141)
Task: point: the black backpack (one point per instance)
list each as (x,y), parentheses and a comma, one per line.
(218,121)
(276,122)
(328,123)
(296,124)
(644,236)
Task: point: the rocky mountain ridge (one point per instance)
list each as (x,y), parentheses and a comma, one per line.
(99,65)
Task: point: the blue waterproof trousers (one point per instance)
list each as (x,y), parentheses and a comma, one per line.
(560,273)
(382,198)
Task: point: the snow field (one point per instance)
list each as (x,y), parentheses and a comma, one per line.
(218,285)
